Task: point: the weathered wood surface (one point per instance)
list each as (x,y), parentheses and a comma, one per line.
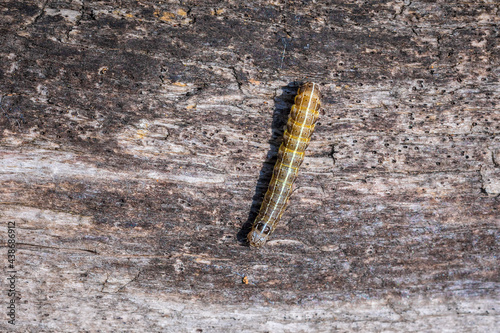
(137,139)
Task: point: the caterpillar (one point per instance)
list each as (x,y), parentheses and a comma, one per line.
(299,129)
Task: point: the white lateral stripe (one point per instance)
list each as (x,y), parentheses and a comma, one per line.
(286,178)
(294,151)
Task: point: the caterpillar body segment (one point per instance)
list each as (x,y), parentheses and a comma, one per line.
(299,129)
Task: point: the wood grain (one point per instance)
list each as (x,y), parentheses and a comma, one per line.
(137,140)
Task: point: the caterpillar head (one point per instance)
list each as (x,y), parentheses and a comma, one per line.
(259,234)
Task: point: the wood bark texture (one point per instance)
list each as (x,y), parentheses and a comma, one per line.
(138,138)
